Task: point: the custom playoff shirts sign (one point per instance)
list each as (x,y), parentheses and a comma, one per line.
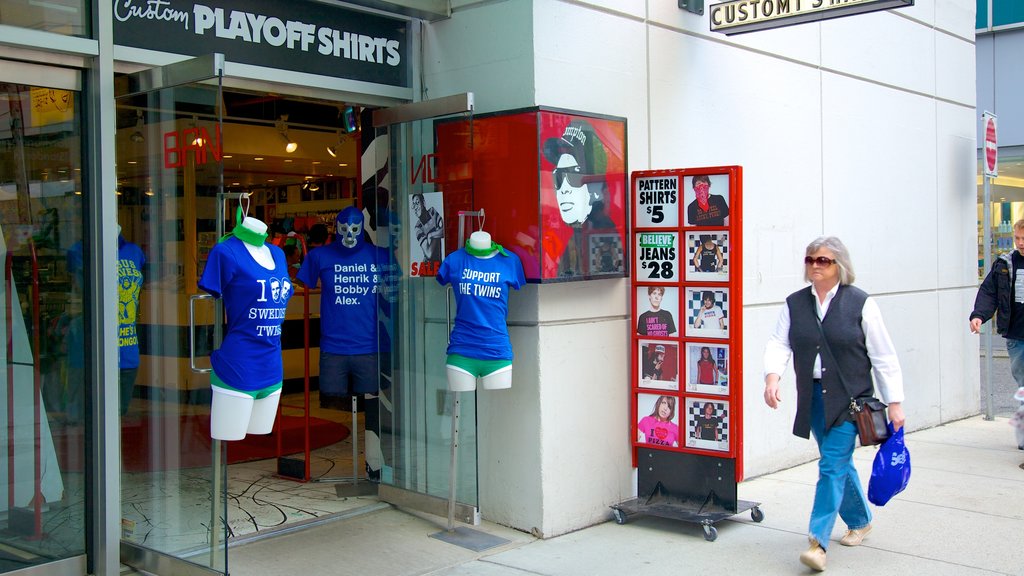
(481,287)
(255,300)
(351,279)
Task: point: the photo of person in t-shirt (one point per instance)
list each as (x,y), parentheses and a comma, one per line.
(656,321)
(707,423)
(659,427)
(706,209)
(707,368)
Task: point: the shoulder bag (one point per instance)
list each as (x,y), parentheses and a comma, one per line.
(868,412)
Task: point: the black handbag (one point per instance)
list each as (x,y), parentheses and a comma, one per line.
(868,413)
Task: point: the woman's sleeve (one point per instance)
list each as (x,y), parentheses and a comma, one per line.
(885,366)
(777,351)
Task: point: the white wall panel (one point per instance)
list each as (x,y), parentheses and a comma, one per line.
(879,181)
(913,322)
(955,233)
(584,400)
(958,358)
(883,47)
(954,57)
(601,70)
(956,17)
(486,50)
(580,300)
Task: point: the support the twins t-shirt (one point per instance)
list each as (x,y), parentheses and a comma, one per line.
(255,300)
(481,287)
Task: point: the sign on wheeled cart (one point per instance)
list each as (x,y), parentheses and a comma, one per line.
(687,348)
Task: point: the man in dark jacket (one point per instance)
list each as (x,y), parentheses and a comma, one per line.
(1002,294)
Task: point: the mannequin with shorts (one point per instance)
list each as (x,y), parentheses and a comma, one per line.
(481,274)
(351,271)
(252,278)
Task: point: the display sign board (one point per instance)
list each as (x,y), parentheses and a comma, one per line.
(687,312)
(988,127)
(739,16)
(308,37)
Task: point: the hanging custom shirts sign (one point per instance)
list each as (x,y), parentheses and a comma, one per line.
(657,256)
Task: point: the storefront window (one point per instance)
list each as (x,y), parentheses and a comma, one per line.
(44,322)
(1007,202)
(70,17)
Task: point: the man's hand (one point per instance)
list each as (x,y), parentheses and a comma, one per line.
(975,325)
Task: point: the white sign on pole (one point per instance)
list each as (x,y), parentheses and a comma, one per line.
(991,157)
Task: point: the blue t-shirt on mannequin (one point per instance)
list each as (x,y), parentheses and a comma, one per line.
(481,274)
(350,269)
(252,278)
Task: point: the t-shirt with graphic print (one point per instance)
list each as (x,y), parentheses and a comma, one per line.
(1015,330)
(255,300)
(481,287)
(659,432)
(352,280)
(656,323)
(130,260)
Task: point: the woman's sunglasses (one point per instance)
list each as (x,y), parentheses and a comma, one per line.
(820,261)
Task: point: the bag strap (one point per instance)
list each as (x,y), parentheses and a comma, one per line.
(824,342)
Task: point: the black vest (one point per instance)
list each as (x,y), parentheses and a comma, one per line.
(842,326)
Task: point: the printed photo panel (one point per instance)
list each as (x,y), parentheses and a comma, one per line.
(708,424)
(426,242)
(707,368)
(657,310)
(707,311)
(606,254)
(657,420)
(707,255)
(657,257)
(707,199)
(658,365)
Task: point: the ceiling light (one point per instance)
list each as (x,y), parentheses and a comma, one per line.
(137,136)
(334,148)
(313,186)
(258,158)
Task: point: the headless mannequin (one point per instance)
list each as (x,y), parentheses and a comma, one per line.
(459,381)
(233,414)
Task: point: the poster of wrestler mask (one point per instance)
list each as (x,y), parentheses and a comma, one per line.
(659,365)
(708,424)
(707,368)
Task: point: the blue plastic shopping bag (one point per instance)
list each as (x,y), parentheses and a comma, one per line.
(890,472)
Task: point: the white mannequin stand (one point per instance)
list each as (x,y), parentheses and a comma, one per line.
(461,381)
(234,414)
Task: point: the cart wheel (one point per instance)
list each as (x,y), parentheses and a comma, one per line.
(620,516)
(756,514)
(710,533)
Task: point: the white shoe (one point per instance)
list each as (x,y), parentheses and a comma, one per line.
(856,536)
(1019,396)
(814,557)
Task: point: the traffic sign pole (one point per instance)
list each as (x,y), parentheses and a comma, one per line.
(991,169)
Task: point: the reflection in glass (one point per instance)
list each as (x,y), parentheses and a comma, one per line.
(44,390)
(68,17)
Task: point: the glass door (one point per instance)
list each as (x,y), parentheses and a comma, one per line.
(169,180)
(430,181)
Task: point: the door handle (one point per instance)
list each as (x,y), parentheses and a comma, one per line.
(192,332)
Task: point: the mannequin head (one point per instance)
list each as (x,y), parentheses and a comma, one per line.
(348,227)
(480,240)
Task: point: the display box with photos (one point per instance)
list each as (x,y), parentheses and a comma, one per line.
(687,310)
(552,184)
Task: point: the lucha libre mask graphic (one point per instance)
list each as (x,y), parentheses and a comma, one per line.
(349,226)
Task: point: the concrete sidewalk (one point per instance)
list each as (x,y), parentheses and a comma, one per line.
(962,514)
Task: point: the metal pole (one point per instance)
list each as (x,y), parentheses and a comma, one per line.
(986,235)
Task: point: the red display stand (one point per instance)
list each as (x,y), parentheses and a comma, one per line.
(687,345)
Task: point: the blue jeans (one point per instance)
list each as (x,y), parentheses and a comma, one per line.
(1015,350)
(838,490)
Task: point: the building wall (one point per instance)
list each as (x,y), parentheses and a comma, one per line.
(1000,86)
(861,127)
